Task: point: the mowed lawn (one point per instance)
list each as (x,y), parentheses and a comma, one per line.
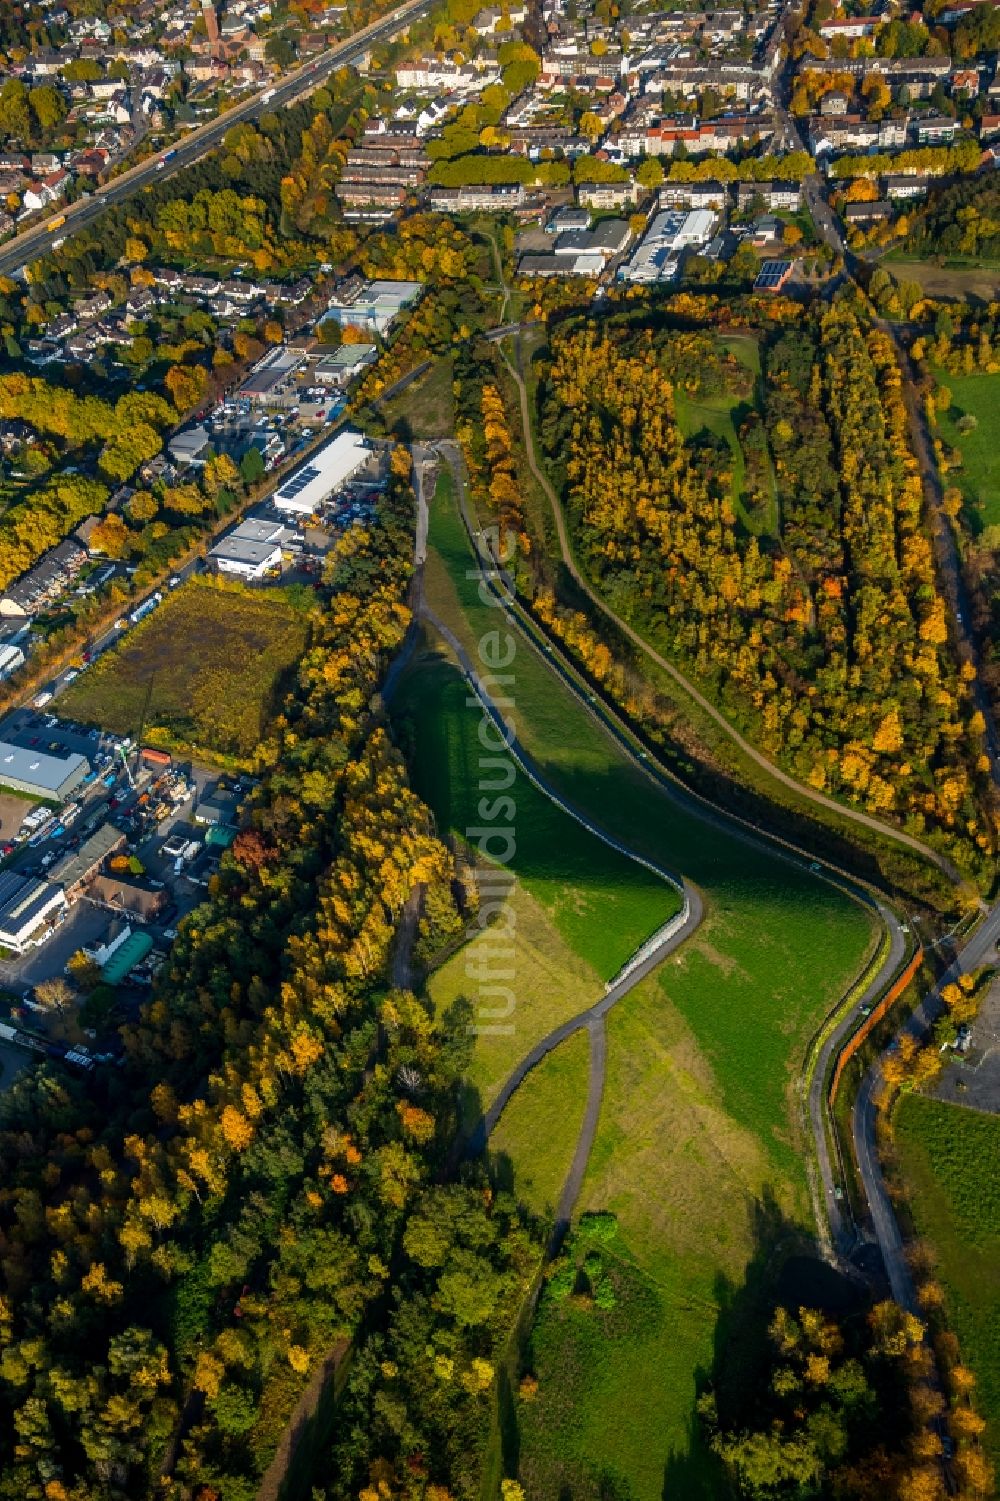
(950,1156)
(978,479)
(550,983)
(200,675)
(536,1136)
(700,1121)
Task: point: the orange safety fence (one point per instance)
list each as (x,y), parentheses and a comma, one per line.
(854,1042)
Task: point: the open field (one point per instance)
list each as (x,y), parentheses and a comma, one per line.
(745,348)
(719,415)
(979,477)
(610,1418)
(551,984)
(425,409)
(716,414)
(949,1156)
(774,927)
(950,280)
(537,1132)
(210,659)
(700,1121)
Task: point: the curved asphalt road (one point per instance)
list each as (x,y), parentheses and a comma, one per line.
(34,242)
(672,935)
(826,1210)
(840,1240)
(592,1016)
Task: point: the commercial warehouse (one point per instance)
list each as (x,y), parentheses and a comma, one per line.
(373,305)
(28,908)
(251,550)
(40,775)
(657,256)
(326,472)
(74,870)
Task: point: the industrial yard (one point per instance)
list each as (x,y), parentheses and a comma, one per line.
(106,845)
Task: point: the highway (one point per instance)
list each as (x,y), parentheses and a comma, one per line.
(32,243)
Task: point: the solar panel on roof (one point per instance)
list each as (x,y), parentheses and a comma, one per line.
(771,273)
(299,481)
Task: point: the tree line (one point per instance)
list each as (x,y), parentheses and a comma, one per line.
(183,1239)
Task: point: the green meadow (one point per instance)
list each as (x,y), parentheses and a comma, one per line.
(700,1122)
(978,479)
(949,1156)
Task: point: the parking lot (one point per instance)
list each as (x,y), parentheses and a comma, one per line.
(973,1078)
(36,730)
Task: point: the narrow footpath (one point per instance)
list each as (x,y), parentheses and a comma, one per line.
(826,1210)
(842,810)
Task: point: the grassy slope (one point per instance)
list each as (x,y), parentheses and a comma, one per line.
(731,1012)
(551,983)
(978,478)
(602,904)
(949,1156)
(213,656)
(548,1108)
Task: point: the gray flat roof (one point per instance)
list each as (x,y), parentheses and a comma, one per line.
(234,549)
(37,768)
(347,356)
(260,529)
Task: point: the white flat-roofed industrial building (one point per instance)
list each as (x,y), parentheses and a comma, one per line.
(11,658)
(340,367)
(324,474)
(251,550)
(657,256)
(39,774)
(375,306)
(28,907)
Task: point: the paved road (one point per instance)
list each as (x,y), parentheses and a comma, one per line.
(817,1103)
(731,823)
(983,942)
(32,243)
(979,949)
(592,1016)
(842,810)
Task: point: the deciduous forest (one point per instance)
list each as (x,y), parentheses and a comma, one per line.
(263,1183)
(830,640)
